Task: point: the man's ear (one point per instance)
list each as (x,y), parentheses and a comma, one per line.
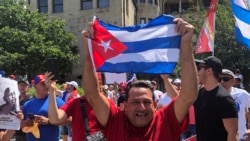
(155,104)
(125,106)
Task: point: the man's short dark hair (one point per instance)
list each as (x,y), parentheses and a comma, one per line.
(139,84)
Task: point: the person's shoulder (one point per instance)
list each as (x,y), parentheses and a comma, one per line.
(31,99)
(239,91)
(223,95)
(30,102)
(167,107)
(158,91)
(77,99)
(222,92)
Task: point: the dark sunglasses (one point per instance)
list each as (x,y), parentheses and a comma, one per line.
(225,79)
(200,67)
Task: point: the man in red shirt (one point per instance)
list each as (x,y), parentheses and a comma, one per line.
(140,120)
(71,112)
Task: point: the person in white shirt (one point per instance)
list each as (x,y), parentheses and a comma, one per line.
(157,93)
(240,76)
(109,93)
(241,98)
(166,98)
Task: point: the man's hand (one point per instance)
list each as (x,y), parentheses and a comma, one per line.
(184,29)
(19,115)
(88,32)
(51,84)
(247,135)
(165,77)
(27,122)
(41,120)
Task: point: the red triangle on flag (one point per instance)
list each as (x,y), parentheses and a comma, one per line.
(104,45)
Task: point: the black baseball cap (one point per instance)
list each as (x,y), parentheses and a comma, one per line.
(211,62)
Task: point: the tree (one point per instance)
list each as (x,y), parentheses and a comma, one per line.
(232,54)
(28,38)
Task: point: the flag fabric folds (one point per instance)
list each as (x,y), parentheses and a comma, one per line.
(205,41)
(242,22)
(151,48)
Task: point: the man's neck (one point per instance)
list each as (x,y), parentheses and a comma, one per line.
(22,96)
(230,89)
(41,96)
(210,85)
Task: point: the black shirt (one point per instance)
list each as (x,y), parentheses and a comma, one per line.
(121,99)
(210,108)
(20,132)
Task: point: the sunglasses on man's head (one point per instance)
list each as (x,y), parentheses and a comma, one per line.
(225,79)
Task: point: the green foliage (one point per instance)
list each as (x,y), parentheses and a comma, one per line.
(32,91)
(28,38)
(232,54)
(80,91)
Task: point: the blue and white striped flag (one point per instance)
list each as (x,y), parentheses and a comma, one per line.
(241,13)
(151,48)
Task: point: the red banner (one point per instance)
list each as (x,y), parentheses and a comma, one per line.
(205,41)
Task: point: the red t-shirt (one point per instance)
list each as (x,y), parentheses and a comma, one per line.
(163,127)
(191,115)
(72,108)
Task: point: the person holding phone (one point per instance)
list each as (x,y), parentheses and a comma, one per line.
(37,108)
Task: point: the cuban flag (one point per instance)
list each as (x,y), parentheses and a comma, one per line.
(151,48)
(241,13)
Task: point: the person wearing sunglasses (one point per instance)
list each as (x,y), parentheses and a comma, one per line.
(241,98)
(215,110)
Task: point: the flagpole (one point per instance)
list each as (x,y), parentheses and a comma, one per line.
(198,5)
(214,28)
(180,8)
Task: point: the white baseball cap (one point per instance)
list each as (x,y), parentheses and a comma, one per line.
(177,81)
(73,83)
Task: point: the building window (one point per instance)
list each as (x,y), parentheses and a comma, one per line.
(142,1)
(57,6)
(86,4)
(142,20)
(175,8)
(43,6)
(150,1)
(156,2)
(102,3)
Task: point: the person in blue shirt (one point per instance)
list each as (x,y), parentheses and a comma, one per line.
(38,107)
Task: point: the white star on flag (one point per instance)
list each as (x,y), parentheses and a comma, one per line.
(106,45)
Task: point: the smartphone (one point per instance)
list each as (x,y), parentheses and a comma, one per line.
(52,66)
(30,116)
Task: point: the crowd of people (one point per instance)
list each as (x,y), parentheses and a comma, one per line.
(208,103)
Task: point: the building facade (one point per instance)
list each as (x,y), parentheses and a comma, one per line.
(77,14)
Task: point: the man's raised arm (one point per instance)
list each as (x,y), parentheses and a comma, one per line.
(97,100)
(189,87)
